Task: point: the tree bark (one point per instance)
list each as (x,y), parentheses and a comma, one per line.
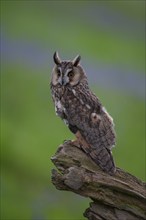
(117,197)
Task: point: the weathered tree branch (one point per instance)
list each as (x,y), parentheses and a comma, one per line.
(118,197)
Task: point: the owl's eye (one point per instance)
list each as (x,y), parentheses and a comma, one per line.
(70,74)
(58,73)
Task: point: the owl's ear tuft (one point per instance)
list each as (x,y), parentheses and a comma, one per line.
(76,60)
(56,58)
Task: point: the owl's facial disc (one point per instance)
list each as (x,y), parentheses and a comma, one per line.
(64,76)
(64,73)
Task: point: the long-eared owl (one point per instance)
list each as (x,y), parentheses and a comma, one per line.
(82,112)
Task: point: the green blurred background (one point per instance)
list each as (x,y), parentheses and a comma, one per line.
(110,37)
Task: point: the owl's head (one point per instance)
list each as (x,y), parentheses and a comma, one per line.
(67,72)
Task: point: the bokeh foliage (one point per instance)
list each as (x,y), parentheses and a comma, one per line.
(30,132)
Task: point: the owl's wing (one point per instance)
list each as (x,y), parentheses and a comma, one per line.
(96,127)
(106,129)
(102,155)
(100,137)
(88,114)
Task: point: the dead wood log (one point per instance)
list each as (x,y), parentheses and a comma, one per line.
(118,197)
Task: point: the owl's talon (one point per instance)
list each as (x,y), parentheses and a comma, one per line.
(76,143)
(67,141)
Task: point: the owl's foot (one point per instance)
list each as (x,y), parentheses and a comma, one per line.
(73,142)
(67,141)
(76,143)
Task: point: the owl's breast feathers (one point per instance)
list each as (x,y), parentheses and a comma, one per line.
(57,93)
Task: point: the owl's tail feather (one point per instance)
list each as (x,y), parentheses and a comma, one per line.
(102,157)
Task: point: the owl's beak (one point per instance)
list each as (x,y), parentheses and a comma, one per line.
(62,81)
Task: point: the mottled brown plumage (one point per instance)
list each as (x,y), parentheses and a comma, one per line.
(82,111)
